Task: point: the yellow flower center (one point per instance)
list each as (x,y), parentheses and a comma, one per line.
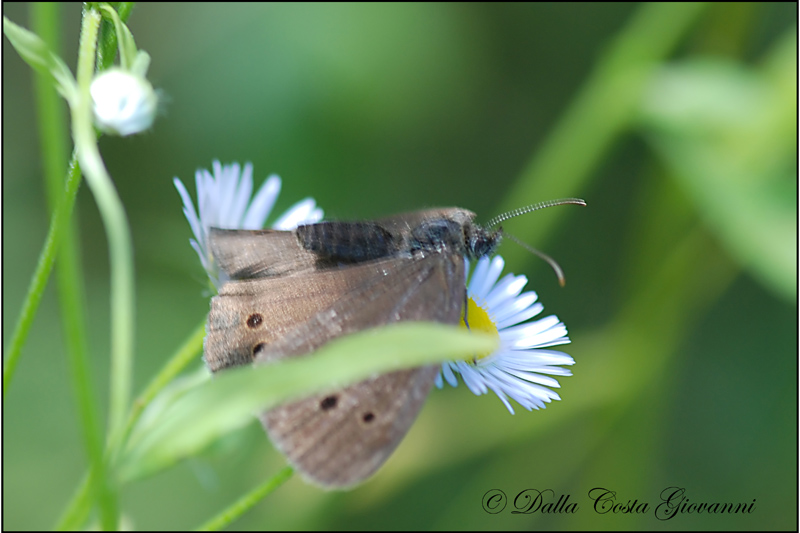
(478,320)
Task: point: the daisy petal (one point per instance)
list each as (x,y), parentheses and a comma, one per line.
(242,195)
(297,214)
(519,369)
(262,204)
(493,271)
(505,290)
(224,201)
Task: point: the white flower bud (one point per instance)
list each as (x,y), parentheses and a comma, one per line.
(123,102)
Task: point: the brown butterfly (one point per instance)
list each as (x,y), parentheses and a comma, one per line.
(289,292)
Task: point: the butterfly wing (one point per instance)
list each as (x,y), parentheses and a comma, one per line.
(246,254)
(337,439)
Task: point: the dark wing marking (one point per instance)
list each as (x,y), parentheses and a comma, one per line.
(354,242)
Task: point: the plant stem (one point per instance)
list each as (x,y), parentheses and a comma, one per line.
(58,222)
(177,363)
(113,215)
(52,129)
(77,511)
(120,250)
(246,502)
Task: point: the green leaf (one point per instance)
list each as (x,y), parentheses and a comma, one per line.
(107,40)
(38,55)
(127,46)
(729,135)
(191,420)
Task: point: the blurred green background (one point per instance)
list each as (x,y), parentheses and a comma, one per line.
(680,301)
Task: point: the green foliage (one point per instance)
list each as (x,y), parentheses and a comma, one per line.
(681,294)
(39,56)
(729,134)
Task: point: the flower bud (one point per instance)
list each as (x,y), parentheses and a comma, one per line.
(123,103)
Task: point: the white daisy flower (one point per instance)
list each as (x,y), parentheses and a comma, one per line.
(520,368)
(224,202)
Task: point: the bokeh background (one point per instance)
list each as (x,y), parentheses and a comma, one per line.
(681,295)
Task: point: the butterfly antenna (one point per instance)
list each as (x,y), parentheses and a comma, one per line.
(550,261)
(541,205)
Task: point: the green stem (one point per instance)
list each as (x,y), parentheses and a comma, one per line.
(185,355)
(112,213)
(58,222)
(77,512)
(246,502)
(120,250)
(50,112)
(52,128)
(604,107)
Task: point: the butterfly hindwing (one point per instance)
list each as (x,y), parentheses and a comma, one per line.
(339,438)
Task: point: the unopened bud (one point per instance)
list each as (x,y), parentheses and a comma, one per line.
(123,103)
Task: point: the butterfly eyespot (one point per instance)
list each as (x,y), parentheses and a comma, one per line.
(254,320)
(329,403)
(257,348)
(368,417)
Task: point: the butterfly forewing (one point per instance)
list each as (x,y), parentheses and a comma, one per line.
(246,254)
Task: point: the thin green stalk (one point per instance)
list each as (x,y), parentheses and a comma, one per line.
(52,129)
(50,109)
(246,502)
(599,114)
(185,355)
(120,249)
(77,511)
(112,213)
(58,222)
